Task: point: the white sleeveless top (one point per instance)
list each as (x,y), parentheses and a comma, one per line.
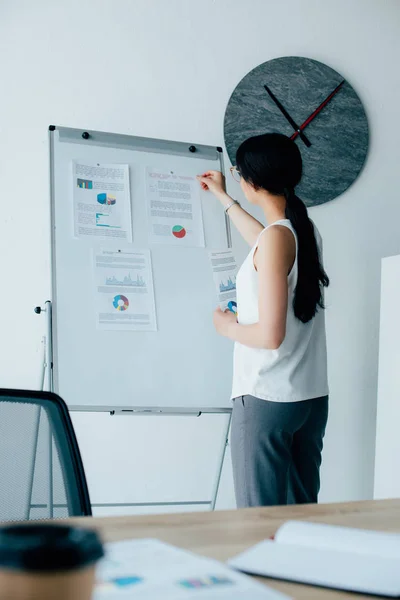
(297,370)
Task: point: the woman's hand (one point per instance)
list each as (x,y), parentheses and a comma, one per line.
(223,321)
(248,226)
(213,181)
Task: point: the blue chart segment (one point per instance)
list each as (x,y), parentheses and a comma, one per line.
(232,306)
(106,199)
(120,302)
(228,286)
(127,581)
(116,583)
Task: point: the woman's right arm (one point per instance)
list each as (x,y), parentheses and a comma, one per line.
(248,226)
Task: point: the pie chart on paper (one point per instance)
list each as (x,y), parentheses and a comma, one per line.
(178,231)
(232,306)
(120,302)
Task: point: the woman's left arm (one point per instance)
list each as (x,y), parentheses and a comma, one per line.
(274,259)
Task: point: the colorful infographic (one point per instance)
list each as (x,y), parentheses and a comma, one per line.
(106,199)
(124,292)
(146,569)
(102,202)
(121,302)
(179,232)
(224,273)
(232,306)
(85,184)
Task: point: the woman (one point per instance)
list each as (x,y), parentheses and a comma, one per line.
(280,388)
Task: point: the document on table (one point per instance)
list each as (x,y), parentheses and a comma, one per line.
(149,569)
(174,209)
(343,558)
(124,293)
(224,270)
(102,203)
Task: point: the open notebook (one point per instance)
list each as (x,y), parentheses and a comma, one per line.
(324,555)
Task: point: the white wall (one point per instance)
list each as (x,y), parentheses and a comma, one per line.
(166,69)
(387,480)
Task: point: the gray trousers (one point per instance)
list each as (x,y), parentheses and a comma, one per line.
(276,450)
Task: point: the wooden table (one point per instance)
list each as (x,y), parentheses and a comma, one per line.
(224,534)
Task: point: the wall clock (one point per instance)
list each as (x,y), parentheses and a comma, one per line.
(307,100)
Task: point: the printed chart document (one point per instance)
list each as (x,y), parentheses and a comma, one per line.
(102,203)
(224,270)
(325,555)
(174,209)
(124,290)
(152,570)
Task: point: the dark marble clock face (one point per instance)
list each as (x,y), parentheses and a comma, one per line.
(337,137)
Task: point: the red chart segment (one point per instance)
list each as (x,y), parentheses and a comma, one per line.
(178,231)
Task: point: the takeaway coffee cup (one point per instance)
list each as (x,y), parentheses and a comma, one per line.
(48,562)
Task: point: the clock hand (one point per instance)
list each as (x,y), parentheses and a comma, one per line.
(288,117)
(317,111)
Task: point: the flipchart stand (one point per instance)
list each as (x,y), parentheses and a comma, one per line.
(47,385)
(73,370)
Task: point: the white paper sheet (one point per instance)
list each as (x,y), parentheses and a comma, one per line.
(345,539)
(361,573)
(124,295)
(174,209)
(102,203)
(224,270)
(149,569)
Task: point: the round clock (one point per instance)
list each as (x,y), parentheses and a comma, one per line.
(313,104)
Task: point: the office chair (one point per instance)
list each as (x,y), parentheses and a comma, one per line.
(41,470)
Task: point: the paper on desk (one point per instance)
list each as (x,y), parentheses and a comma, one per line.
(150,569)
(356,572)
(345,539)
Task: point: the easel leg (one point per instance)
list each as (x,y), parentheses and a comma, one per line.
(50,465)
(35,443)
(221,464)
(46,382)
(49,372)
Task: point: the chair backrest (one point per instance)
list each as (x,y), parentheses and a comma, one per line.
(41,470)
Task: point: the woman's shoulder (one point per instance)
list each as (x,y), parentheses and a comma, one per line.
(277,243)
(277,234)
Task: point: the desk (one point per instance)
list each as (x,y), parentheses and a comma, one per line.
(223,534)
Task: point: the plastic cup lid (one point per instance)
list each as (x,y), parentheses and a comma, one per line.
(48,547)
